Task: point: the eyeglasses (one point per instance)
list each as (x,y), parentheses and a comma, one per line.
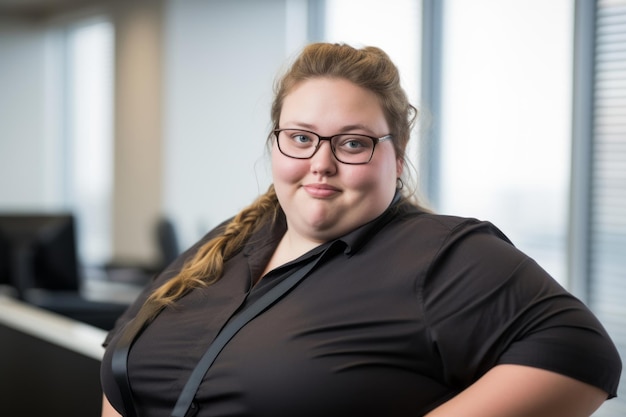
(348,148)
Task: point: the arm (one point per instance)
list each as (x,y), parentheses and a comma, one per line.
(521,391)
(107,409)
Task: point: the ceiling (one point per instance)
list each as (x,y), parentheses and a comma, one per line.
(38,8)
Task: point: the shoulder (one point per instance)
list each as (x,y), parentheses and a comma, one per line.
(467,255)
(447,231)
(445,251)
(468,262)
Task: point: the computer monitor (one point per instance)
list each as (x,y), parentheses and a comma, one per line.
(38,250)
(39,262)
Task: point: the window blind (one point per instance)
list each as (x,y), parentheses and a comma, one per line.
(607,228)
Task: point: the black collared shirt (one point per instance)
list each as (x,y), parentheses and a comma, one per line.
(399,316)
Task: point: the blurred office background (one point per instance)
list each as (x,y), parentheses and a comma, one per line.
(126,113)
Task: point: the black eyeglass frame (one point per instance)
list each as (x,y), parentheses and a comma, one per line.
(320,138)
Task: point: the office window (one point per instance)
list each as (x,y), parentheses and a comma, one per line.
(505,120)
(88,134)
(607,222)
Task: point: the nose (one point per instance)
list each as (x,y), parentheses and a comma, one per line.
(323,161)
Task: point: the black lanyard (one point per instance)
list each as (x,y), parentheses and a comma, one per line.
(185,406)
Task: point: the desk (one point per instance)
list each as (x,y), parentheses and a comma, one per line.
(49,364)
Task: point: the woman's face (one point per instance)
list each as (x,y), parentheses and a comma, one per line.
(322,197)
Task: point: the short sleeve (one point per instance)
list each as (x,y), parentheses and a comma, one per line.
(486,303)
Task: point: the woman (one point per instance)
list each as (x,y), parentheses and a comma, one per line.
(404,313)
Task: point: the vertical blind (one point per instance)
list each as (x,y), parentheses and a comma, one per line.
(607,240)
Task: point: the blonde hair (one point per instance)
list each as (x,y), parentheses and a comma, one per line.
(369,68)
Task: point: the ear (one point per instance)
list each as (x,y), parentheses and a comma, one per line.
(399,167)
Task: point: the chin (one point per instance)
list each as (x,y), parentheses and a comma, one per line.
(326,232)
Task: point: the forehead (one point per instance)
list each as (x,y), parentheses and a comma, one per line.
(332,102)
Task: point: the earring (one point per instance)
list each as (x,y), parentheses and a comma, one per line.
(399,183)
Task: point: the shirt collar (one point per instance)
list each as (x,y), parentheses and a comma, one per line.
(356,239)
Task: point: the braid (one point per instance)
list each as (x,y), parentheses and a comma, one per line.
(207,265)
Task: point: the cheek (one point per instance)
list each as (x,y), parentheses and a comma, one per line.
(361,178)
(378,176)
(287,170)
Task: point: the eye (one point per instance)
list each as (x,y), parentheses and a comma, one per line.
(354,143)
(301,138)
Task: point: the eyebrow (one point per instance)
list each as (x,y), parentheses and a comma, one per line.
(344,129)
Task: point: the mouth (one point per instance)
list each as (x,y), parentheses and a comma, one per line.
(321,190)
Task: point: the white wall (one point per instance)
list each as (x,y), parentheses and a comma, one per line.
(221,58)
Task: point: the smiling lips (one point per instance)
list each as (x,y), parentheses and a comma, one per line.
(321,190)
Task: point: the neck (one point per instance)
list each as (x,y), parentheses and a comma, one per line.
(290,247)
